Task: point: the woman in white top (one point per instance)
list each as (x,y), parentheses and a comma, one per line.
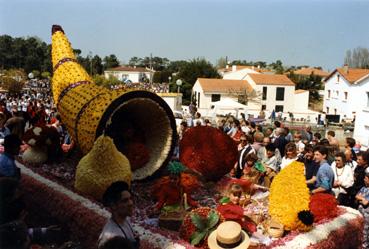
(343,178)
(290,156)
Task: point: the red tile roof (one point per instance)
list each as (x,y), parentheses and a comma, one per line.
(271,79)
(129,69)
(352,75)
(308,71)
(221,85)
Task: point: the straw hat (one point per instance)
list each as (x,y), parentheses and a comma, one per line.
(228,235)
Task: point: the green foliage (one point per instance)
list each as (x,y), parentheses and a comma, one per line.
(176,168)
(102,81)
(36,73)
(277,67)
(28,53)
(203,226)
(110,61)
(312,83)
(45,75)
(221,62)
(157,63)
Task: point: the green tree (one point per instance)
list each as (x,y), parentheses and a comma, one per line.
(45,75)
(97,66)
(110,61)
(312,83)
(277,67)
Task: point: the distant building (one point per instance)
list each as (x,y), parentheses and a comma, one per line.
(238,72)
(307,71)
(345,92)
(130,74)
(263,92)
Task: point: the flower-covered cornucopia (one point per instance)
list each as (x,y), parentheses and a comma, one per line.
(89,110)
(44,143)
(208,151)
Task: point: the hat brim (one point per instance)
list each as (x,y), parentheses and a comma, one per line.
(212,241)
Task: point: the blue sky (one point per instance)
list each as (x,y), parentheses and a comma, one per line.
(297,32)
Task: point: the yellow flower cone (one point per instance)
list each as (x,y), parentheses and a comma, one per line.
(289,195)
(88,110)
(102,166)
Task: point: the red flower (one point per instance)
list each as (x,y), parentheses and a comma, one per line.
(236,213)
(208,151)
(323,206)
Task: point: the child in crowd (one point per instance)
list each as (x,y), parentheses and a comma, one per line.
(250,172)
(270,162)
(290,156)
(300,146)
(363,198)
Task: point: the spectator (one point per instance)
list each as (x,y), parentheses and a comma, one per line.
(343,179)
(300,146)
(290,156)
(363,198)
(325,175)
(7,159)
(333,141)
(118,199)
(350,144)
(242,154)
(311,167)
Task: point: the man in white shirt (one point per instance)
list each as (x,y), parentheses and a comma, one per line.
(119,201)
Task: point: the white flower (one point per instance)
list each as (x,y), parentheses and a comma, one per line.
(32,141)
(37,131)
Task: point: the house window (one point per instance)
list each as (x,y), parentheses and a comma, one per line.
(367,99)
(337,94)
(198,99)
(263,107)
(279,108)
(346,93)
(280,94)
(215,97)
(265,89)
(335,111)
(338,78)
(327,110)
(329,94)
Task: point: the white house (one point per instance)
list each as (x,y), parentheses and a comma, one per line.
(345,92)
(276,92)
(207,91)
(262,91)
(130,74)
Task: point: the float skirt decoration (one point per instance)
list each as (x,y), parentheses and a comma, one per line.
(89,110)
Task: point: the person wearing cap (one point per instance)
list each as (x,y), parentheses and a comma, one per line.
(8,167)
(228,235)
(118,199)
(363,198)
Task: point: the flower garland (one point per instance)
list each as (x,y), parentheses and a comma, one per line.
(208,151)
(289,195)
(346,228)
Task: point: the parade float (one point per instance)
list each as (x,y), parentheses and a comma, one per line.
(113,128)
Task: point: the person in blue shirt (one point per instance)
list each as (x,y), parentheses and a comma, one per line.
(7,159)
(325,176)
(363,198)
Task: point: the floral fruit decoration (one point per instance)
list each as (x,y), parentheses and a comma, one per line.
(289,198)
(169,191)
(198,224)
(44,143)
(102,166)
(208,151)
(323,206)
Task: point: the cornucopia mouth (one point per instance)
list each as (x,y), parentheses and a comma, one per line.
(145,118)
